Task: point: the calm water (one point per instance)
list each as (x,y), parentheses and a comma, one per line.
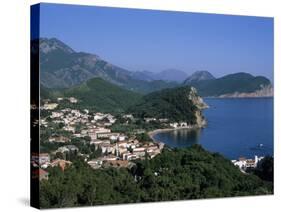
(236,127)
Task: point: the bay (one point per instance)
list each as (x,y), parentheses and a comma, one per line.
(236,127)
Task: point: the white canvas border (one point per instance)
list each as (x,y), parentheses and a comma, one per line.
(14,82)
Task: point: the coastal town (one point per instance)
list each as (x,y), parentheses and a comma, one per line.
(73,130)
(90,130)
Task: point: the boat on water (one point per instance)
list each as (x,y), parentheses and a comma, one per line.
(259,146)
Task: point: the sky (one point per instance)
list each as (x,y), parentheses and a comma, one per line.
(157,40)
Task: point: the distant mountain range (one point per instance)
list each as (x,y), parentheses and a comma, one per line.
(199,76)
(168,75)
(62,67)
(232,85)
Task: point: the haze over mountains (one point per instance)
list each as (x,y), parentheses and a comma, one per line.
(62,67)
(169,75)
(199,76)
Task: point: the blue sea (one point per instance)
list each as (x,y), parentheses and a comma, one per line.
(236,127)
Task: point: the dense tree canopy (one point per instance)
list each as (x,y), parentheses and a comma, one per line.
(265,169)
(103,96)
(172,103)
(238,82)
(190,173)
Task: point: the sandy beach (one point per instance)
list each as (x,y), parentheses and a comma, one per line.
(154,132)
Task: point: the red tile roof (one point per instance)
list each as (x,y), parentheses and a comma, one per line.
(43,172)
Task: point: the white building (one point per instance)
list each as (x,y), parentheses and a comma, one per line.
(73,100)
(174,125)
(50,106)
(121,138)
(183,124)
(113,137)
(99,116)
(95,164)
(244,163)
(56,115)
(149,119)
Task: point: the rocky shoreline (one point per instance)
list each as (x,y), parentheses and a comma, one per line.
(264,92)
(200,120)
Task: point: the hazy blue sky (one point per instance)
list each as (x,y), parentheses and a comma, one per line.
(157,40)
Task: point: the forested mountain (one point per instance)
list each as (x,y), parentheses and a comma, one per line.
(198,76)
(143,75)
(62,67)
(171,75)
(103,96)
(229,84)
(175,104)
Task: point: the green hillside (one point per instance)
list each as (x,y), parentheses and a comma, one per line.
(46,93)
(239,82)
(180,174)
(172,103)
(103,96)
